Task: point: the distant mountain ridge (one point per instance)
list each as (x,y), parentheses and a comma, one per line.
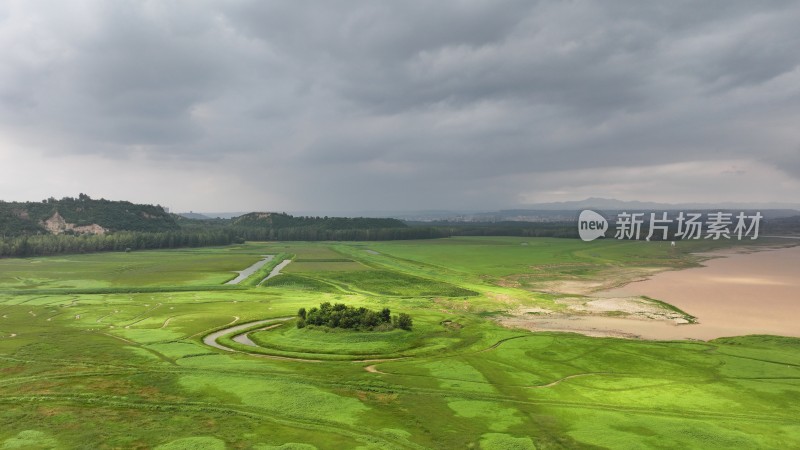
(81,215)
(540,211)
(614,204)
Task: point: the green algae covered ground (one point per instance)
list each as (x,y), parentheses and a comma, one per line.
(106,351)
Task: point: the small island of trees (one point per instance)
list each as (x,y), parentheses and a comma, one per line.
(340,315)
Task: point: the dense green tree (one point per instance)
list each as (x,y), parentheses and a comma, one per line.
(404,321)
(386,315)
(340,315)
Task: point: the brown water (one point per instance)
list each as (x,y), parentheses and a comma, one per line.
(732,295)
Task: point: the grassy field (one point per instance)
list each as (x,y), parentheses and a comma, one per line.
(208,266)
(106,351)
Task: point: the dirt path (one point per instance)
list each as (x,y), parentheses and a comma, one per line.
(122,339)
(243,274)
(373,369)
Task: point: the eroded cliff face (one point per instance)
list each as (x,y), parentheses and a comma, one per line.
(57,225)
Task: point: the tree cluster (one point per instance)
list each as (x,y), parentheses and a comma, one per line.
(46,244)
(340,315)
(285,227)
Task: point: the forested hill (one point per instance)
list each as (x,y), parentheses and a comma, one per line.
(82,215)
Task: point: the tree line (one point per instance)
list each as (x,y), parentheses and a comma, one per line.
(316,234)
(340,315)
(46,244)
(193,235)
(283,220)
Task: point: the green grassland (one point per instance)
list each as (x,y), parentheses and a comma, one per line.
(208,266)
(106,351)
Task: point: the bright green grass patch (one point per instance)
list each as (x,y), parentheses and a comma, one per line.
(287,446)
(176,350)
(384,282)
(292,399)
(306,265)
(337,341)
(428,337)
(194,443)
(612,429)
(504,256)
(151,268)
(30,440)
(499,441)
(474,385)
(496,417)
(298,282)
(303,250)
(327,351)
(458,374)
(225,363)
(147,335)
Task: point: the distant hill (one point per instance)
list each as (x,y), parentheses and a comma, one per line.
(782,226)
(82,215)
(194,216)
(614,204)
(281,221)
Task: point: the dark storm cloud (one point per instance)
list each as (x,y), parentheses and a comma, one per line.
(431,100)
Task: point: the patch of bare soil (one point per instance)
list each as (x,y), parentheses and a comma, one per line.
(582,286)
(372,369)
(636,307)
(57,225)
(588,300)
(599,326)
(503,299)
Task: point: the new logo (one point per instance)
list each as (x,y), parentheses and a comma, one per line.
(591,225)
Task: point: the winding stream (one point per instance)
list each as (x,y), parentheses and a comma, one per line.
(243,274)
(211,339)
(276,270)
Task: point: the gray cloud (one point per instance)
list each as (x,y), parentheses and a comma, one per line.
(381,105)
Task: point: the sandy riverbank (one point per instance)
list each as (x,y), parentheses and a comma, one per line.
(734,294)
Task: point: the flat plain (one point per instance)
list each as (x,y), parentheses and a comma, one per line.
(106,351)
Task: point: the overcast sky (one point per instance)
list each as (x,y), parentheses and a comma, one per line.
(399,105)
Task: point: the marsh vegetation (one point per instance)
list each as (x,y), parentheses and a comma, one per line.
(115,342)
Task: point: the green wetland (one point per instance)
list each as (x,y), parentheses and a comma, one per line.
(107,351)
